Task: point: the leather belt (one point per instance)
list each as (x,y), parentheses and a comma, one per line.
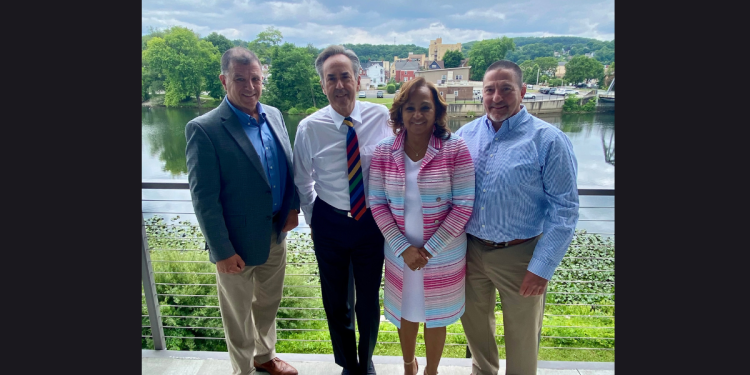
(500,245)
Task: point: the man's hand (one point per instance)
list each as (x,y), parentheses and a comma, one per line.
(291,221)
(413,258)
(532,285)
(233,264)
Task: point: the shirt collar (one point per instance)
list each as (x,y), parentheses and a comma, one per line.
(338,120)
(512,121)
(244,117)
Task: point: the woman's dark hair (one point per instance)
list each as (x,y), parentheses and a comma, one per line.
(441,108)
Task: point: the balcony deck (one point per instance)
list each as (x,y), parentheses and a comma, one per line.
(163,362)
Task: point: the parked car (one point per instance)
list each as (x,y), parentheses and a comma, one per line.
(544,90)
(362,94)
(529,86)
(552,90)
(529,96)
(380,94)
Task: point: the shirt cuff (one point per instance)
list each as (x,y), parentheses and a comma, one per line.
(541,269)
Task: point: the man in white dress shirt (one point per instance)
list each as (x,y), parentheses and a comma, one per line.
(332,154)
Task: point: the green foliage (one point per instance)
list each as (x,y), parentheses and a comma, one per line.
(263,44)
(452,59)
(572,104)
(486,52)
(294,111)
(547,65)
(219,41)
(293,79)
(311,110)
(582,69)
(554,82)
(572,321)
(189,65)
(391,88)
(384,52)
(471,114)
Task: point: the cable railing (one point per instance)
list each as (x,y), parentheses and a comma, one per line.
(180,305)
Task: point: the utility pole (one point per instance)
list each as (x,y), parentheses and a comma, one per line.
(537,74)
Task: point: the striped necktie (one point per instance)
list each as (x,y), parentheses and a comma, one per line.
(356,186)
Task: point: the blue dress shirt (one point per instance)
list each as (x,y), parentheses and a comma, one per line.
(525,185)
(269,151)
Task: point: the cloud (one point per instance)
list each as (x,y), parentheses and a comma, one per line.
(324,22)
(480,13)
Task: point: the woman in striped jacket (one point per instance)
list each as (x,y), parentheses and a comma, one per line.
(421,193)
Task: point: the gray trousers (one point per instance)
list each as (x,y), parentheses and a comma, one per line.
(249,301)
(487,270)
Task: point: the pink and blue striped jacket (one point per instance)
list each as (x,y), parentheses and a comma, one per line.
(446,185)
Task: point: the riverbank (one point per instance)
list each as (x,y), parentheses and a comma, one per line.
(157,100)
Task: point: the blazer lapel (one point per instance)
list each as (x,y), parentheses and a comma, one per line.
(398,154)
(230,122)
(432,149)
(275,123)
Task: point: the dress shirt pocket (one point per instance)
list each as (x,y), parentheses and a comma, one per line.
(235,221)
(527,172)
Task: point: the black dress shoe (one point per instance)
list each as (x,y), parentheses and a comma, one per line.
(345,372)
(371,369)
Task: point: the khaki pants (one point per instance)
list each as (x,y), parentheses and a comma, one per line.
(503,269)
(249,301)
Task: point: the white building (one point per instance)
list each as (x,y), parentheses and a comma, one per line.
(376,72)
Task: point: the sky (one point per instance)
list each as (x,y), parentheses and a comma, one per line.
(325,22)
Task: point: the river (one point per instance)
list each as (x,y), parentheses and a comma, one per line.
(592,135)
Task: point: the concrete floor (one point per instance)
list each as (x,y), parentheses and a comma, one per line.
(167,362)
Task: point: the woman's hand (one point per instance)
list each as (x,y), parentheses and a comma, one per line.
(414,259)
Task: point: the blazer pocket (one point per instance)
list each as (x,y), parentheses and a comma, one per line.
(235,221)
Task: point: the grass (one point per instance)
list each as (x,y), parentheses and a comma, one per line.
(569,333)
(388,102)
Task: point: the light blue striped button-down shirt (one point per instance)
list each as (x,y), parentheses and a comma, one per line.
(525,185)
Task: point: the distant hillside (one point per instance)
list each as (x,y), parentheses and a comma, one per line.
(529,48)
(384,52)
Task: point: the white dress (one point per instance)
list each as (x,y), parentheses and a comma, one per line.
(412,298)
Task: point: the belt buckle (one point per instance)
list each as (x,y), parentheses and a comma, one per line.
(349,214)
(503,244)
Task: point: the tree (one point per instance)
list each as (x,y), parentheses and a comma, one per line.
(548,65)
(391,88)
(189,65)
(219,41)
(485,52)
(452,59)
(263,43)
(293,80)
(529,69)
(582,69)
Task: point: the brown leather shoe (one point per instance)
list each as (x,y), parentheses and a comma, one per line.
(276,367)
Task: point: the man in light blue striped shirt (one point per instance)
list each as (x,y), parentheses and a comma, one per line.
(525,214)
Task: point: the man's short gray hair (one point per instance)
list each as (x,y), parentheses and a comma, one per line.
(336,50)
(507,64)
(238,55)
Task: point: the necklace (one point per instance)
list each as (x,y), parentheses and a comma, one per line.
(416,154)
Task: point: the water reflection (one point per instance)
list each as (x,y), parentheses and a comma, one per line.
(592,136)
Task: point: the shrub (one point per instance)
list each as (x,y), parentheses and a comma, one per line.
(311,110)
(471,114)
(555,82)
(294,111)
(391,88)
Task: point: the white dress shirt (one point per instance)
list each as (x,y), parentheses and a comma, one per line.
(320,167)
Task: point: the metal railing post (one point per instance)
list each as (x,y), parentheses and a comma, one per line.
(149,289)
